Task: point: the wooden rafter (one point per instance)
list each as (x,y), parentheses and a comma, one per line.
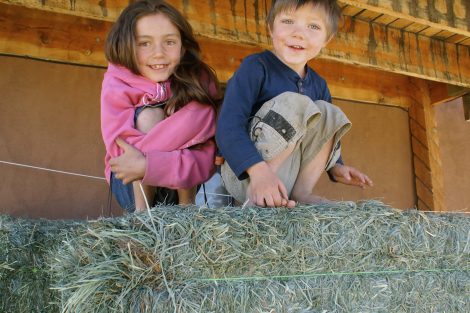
(452,16)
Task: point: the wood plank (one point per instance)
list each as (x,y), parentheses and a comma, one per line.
(423,106)
(386,48)
(440,93)
(368,15)
(420,151)
(77,40)
(366,85)
(419,133)
(453,16)
(415,28)
(398,51)
(401,23)
(358,42)
(52,36)
(456,38)
(466,107)
(422,172)
(385,19)
(425,195)
(423,207)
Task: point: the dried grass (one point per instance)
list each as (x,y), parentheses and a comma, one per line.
(347,257)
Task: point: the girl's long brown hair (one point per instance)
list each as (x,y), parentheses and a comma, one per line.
(192,80)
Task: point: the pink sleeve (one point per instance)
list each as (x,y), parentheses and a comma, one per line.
(180,168)
(117,117)
(170,161)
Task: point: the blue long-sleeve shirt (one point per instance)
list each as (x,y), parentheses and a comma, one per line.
(259,78)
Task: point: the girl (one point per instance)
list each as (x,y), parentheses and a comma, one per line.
(158,106)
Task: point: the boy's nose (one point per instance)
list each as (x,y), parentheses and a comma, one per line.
(298,32)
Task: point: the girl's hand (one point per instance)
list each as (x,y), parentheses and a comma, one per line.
(130,165)
(350,176)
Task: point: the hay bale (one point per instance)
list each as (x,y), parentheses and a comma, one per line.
(24,268)
(327,258)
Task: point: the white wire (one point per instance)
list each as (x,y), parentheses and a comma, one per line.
(51,170)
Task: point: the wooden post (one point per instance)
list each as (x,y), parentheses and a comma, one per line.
(425,145)
(466,106)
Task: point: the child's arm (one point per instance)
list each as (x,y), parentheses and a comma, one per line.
(233,140)
(184,168)
(350,176)
(232,136)
(117,115)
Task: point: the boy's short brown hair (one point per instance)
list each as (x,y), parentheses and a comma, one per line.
(331,7)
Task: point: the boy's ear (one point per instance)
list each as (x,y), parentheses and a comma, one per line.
(328,40)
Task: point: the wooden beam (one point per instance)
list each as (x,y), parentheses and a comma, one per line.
(425,145)
(359,43)
(453,16)
(398,51)
(241,21)
(77,40)
(466,106)
(440,93)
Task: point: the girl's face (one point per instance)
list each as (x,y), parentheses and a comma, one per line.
(299,35)
(158,47)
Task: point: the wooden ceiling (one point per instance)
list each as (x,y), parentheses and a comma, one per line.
(427,39)
(448,21)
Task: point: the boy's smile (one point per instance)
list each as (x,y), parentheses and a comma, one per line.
(299,35)
(158,47)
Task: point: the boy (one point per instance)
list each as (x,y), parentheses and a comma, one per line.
(276,140)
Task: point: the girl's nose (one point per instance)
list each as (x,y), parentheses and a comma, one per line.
(158,50)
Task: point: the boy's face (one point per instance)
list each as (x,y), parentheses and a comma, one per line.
(299,35)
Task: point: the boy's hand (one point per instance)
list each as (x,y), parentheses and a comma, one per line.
(130,165)
(266,189)
(350,176)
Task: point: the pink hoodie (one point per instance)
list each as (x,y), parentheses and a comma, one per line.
(170,162)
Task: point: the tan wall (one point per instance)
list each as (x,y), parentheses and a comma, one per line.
(49,117)
(454,143)
(379,145)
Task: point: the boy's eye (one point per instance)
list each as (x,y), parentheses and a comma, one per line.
(314,26)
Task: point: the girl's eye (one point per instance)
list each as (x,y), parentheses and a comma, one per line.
(171,42)
(287,21)
(143,44)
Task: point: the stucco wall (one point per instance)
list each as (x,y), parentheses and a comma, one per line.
(379,145)
(49,117)
(454,143)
